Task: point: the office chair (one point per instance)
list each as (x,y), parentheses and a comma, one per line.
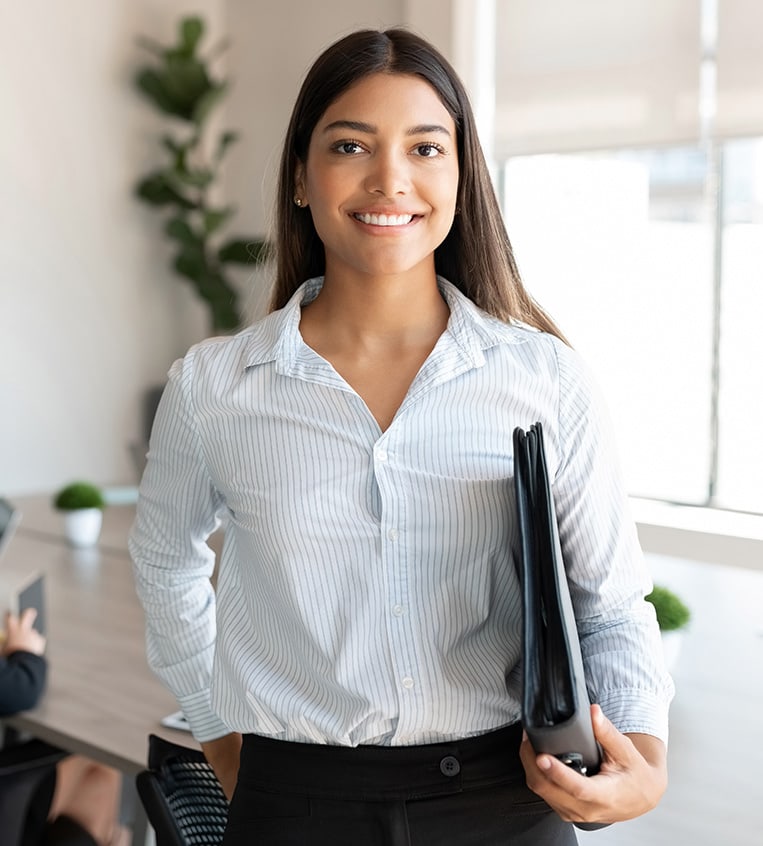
(183,799)
(27,780)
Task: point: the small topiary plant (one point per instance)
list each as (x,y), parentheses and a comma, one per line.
(671,612)
(78,495)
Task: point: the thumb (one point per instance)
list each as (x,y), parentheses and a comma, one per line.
(617,747)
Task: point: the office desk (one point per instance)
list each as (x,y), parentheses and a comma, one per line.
(102,699)
(39,519)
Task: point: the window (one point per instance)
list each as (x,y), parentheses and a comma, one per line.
(623,248)
(635,208)
(740,402)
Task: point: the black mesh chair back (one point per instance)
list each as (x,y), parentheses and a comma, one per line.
(183,799)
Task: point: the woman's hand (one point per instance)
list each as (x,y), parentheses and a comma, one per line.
(223,755)
(631,781)
(20,634)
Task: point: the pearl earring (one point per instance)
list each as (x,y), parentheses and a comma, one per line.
(298,202)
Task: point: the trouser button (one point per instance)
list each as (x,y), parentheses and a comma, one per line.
(449,766)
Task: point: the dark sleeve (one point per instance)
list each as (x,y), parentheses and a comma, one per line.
(22,681)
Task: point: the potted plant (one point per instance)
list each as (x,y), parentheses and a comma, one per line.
(180,84)
(82,505)
(672,617)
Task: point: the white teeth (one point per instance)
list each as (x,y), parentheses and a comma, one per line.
(385,219)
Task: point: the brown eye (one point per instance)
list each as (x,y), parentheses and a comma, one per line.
(347,148)
(429,150)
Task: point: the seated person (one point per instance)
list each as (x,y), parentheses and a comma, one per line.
(84,804)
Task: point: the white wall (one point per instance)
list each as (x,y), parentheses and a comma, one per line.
(89,313)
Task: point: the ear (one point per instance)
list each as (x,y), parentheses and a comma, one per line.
(299,184)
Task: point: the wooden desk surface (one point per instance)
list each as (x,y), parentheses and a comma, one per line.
(102,699)
(40,519)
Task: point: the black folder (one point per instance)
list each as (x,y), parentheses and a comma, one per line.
(555,707)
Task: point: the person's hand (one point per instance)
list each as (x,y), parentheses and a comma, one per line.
(631,781)
(20,634)
(223,755)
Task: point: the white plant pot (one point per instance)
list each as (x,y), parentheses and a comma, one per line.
(83,526)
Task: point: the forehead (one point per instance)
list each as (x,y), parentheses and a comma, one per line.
(387,99)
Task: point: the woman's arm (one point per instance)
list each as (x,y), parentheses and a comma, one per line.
(177,511)
(223,755)
(631,781)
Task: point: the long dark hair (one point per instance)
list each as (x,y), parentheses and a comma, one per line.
(476,255)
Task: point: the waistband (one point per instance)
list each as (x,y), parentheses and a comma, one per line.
(378,773)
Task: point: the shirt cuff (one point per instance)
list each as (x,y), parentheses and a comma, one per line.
(637,711)
(205,724)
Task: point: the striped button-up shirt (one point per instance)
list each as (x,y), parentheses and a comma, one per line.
(366,592)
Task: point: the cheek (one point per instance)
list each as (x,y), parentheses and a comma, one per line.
(448,188)
(326,186)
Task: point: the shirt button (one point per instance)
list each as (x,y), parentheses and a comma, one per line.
(393,534)
(381,454)
(398,610)
(408,682)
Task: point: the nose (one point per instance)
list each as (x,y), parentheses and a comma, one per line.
(388,174)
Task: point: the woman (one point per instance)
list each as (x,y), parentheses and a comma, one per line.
(75,803)
(357,442)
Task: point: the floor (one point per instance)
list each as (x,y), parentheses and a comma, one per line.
(716,736)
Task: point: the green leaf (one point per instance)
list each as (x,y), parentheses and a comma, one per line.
(179,229)
(226,139)
(211,286)
(192,263)
(152,85)
(193,178)
(240,251)
(214,219)
(156,190)
(191,31)
(207,101)
(186,82)
(222,299)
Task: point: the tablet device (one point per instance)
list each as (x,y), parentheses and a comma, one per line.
(32,595)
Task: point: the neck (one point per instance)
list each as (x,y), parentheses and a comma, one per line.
(396,308)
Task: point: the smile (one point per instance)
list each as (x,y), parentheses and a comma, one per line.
(384,219)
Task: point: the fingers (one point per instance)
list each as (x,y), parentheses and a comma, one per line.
(27,618)
(21,634)
(625,787)
(20,625)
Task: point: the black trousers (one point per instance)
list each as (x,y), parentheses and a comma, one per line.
(466,793)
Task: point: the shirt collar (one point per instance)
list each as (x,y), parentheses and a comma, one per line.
(276,337)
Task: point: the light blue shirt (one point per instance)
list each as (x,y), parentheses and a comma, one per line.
(366,591)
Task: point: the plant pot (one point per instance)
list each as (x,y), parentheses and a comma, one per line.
(82,526)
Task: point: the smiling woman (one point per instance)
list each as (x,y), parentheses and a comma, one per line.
(386,148)
(355,679)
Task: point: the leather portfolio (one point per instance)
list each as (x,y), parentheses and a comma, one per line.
(555,707)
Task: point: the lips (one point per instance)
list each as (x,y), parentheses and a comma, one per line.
(384,219)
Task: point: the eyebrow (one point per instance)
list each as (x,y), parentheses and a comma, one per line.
(360,126)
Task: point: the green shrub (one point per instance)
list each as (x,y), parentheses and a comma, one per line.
(671,612)
(78,495)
